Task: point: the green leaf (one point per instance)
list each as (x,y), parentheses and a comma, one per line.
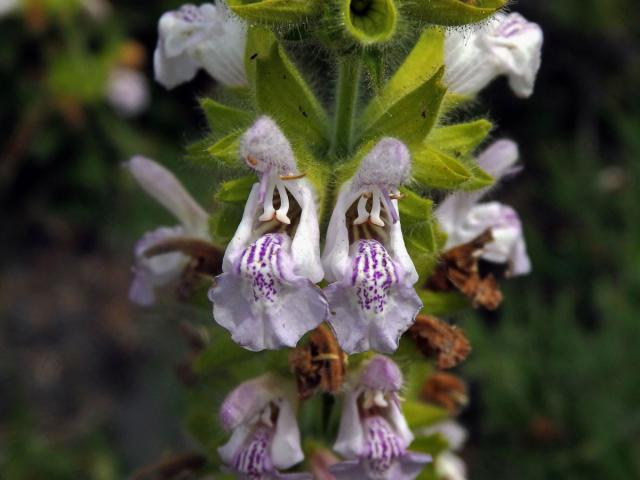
(454,12)
(461,139)
(420,414)
(259,43)
(422,236)
(435,169)
(426,58)
(276,11)
(433,444)
(479,178)
(223,119)
(282,93)
(226,150)
(411,118)
(236,191)
(369,21)
(442,303)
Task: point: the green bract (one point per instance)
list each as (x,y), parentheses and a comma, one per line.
(369,21)
(454,12)
(276,11)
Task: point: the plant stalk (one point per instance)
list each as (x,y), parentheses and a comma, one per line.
(349,69)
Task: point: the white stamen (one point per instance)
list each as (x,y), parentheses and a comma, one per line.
(379,400)
(281,213)
(269,211)
(375,209)
(363,214)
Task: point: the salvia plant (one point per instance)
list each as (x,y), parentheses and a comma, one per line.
(334,127)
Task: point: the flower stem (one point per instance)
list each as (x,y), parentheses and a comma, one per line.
(349,69)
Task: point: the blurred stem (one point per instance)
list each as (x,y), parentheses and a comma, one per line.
(349,69)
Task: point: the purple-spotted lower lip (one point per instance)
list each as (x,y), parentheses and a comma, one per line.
(374,274)
(189,14)
(254,458)
(512,27)
(383,446)
(261,265)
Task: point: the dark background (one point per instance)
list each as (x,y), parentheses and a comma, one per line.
(87,384)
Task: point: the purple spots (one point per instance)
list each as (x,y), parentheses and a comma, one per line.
(260,265)
(374,274)
(383,446)
(254,460)
(190,14)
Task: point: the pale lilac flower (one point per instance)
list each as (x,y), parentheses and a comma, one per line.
(373,435)
(127,91)
(372,298)
(209,37)
(163,269)
(462,218)
(264,432)
(448,465)
(508,45)
(266,296)
(7,7)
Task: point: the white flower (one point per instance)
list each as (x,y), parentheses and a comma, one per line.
(507,45)
(266,296)
(127,91)
(8,6)
(208,37)
(448,465)
(373,435)
(372,297)
(264,432)
(163,269)
(462,218)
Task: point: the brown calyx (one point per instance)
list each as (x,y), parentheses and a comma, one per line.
(319,364)
(435,338)
(445,390)
(458,270)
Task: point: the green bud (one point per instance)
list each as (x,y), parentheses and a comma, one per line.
(454,12)
(276,11)
(369,21)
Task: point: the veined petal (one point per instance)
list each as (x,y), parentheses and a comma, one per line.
(167,190)
(508,45)
(262,302)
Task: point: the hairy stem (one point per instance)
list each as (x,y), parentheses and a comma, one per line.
(349,69)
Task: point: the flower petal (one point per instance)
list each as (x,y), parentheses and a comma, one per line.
(335,256)
(247,400)
(286,450)
(305,246)
(507,45)
(172,71)
(349,470)
(167,190)
(409,466)
(229,450)
(244,233)
(350,439)
(381,373)
(374,304)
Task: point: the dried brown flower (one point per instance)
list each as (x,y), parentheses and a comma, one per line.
(445,390)
(436,338)
(320,364)
(459,270)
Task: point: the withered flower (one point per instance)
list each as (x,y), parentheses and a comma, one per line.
(459,270)
(320,364)
(435,338)
(447,391)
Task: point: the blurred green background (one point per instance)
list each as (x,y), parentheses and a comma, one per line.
(87,384)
